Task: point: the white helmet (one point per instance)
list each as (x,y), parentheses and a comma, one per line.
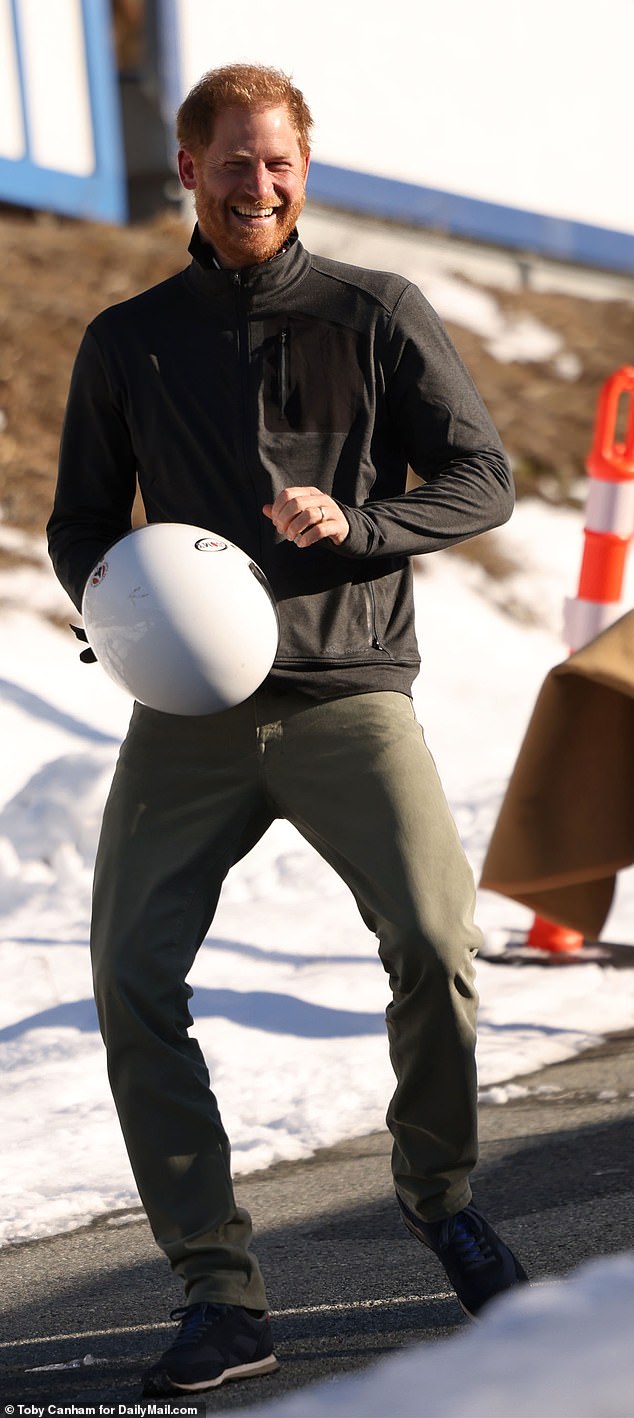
(181,619)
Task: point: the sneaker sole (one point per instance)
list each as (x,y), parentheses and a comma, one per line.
(240,1371)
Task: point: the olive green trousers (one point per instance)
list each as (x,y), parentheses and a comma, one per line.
(189,798)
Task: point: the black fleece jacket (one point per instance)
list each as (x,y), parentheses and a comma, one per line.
(216,389)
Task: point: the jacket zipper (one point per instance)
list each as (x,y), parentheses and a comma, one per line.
(243,355)
(242,333)
(283,371)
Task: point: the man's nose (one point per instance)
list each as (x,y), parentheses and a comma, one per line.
(259,181)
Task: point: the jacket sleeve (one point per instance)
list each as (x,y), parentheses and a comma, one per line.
(96,482)
(436,416)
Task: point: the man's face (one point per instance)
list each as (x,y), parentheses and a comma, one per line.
(248,184)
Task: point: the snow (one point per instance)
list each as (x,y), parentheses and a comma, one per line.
(560,1350)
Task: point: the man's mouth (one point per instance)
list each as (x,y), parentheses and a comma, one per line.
(254,213)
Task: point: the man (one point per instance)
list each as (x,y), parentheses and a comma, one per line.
(277,398)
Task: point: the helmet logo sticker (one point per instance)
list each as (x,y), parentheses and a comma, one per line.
(210,544)
(98,574)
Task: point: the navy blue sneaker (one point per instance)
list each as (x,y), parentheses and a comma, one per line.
(479,1265)
(214,1343)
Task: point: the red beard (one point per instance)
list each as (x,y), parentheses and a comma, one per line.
(243,245)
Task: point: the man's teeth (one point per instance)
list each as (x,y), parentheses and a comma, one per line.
(254,211)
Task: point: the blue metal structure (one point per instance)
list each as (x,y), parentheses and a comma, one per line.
(451,214)
(101,194)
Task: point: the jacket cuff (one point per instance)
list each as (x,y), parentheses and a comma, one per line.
(361,535)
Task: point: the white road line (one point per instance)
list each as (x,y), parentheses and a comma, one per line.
(337,1308)
(362,1304)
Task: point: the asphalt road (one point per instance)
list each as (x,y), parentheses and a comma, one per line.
(85,1312)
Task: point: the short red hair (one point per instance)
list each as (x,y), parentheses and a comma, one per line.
(239,86)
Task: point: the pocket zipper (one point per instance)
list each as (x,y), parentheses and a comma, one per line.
(375,639)
(283,371)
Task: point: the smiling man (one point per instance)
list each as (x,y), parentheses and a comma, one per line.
(278,398)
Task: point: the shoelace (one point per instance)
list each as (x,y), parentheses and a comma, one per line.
(194,1319)
(473,1248)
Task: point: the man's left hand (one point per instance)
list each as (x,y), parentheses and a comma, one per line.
(304,515)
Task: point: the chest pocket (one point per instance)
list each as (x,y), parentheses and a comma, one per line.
(312,377)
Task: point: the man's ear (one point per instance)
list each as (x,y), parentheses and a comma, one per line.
(307,157)
(186,169)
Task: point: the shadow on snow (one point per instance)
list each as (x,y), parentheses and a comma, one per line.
(257,1009)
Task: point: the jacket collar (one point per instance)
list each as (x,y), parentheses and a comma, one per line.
(259,283)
